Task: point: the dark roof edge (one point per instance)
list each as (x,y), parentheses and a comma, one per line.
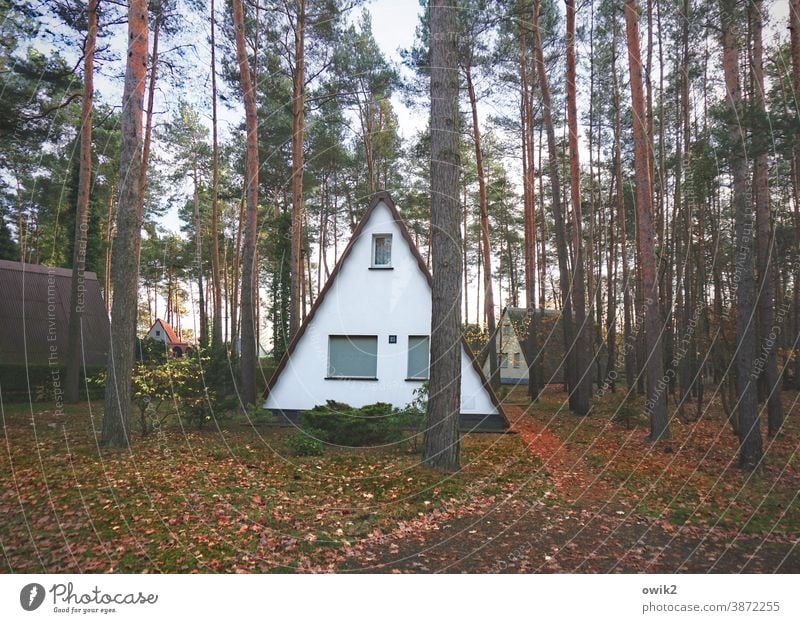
(41,269)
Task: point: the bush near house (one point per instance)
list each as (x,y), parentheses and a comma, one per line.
(176,387)
(371,425)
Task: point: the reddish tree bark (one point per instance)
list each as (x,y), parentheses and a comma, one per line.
(216,331)
(248,351)
(127,242)
(298,128)
(656,395)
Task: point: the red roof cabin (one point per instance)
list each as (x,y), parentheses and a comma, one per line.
(163,332)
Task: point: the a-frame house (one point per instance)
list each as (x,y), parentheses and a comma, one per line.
(366,338)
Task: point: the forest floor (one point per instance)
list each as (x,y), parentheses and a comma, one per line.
(563,494)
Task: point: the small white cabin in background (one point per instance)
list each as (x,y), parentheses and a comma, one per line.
(367,337)
(510,354)
(162,332)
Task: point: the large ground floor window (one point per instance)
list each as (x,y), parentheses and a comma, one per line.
(353,356)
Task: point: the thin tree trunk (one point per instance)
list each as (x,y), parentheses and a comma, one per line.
(794,27)
(216,331)
(531,342)
(109,250)
(151,89)
(235,278)
(198,242)
(764,263)
(248,358)
(441,442)
(298,123)
(656,398)
(465,245)
(77,290)
(555,184)
(488,290)
(582,392)
(127,242)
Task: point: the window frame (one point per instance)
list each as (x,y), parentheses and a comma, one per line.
(349,336)
(373,264)
(408,359)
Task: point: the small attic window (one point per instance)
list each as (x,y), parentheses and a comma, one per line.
(158,332)
(382,251)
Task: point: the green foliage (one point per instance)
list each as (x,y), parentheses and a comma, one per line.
(416,412)
(257,414)
(476,337)
(221,371)
(149,350)
(371,425)
(179,382)
(307,442)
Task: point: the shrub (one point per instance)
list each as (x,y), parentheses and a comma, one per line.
(149,350)
(344,425)
(257,414)
(306,442)
(176,381)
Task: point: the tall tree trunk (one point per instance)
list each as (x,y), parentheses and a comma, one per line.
(248,358)
(77,291)
(582,392)
(216,331)
(794,27)
(766,298)
(441,442)
(750,448)
(109,250)
(151,89)
(656,397)
(127,242)
(235,277)
(298,123)
(488,290)
(531,342)
(558,215)
(198,257)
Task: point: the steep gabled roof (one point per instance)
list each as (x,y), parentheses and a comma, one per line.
(172,337)
(377,198)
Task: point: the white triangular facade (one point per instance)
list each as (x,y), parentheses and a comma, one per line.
(391,302)
(510,354)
